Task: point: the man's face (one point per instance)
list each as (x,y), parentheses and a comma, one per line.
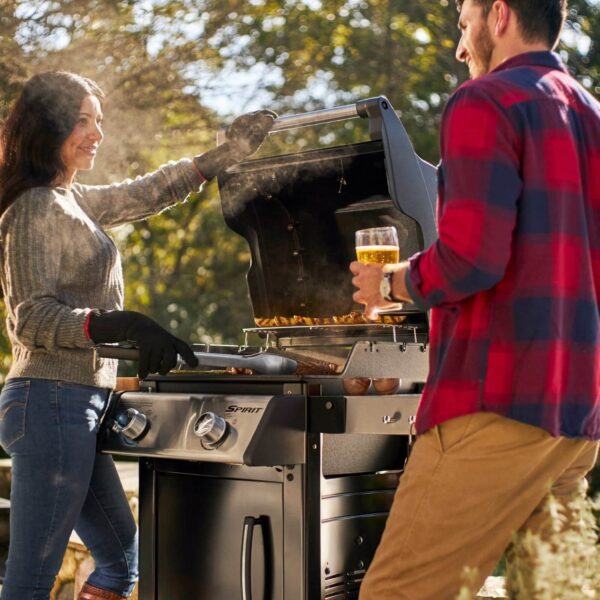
(476,45)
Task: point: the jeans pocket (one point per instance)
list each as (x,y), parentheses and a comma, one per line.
(13,410)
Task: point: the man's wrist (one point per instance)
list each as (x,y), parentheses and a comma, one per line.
(386,286)
(395,275)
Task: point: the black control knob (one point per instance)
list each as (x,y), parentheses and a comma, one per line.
(211,429)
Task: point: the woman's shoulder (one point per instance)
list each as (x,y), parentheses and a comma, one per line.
(37,202)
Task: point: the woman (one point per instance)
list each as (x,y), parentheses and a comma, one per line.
(63,289)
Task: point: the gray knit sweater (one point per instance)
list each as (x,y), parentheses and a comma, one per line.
(58,264)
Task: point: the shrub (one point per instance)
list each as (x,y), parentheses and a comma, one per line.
(563,564)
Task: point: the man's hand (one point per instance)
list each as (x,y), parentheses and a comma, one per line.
(367,278)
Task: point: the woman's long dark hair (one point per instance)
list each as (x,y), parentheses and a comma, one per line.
(32,137)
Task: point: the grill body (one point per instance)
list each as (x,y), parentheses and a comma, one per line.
(306,529)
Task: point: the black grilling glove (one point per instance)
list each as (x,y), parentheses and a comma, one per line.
(158,348)
(244,137)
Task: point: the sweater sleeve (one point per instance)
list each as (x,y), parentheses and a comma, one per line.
(479,184)
(31,253)
(144,196)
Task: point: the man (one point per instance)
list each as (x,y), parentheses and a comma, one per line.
(511,408)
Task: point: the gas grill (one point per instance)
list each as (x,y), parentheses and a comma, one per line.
(261,482)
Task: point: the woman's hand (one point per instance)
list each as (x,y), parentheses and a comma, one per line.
(158,348)
(248,131)
(244,137)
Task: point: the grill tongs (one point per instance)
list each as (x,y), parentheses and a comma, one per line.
(263,362)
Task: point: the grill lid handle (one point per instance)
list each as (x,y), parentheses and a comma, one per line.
(315,117)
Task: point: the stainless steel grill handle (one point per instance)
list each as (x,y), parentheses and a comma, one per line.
(315,117)
(246,557)
(247,534)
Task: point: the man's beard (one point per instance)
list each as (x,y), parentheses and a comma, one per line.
(481,58)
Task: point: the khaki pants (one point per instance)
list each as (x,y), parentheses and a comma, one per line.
(469,485)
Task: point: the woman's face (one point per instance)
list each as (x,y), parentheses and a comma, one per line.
(79,149)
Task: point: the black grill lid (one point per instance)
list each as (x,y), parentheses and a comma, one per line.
(299,212)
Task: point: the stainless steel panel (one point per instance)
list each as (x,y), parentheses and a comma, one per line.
(390,415)
(388,359)
(261,430)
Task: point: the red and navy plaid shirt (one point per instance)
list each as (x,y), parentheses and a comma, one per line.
(513,282)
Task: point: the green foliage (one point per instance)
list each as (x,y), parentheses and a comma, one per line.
(561,561)
(566,565)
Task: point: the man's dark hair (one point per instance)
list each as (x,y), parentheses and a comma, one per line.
(539,20)
(41,120)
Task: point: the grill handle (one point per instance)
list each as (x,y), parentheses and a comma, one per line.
(326,115)
(246,556)
(315,117)
(247,535)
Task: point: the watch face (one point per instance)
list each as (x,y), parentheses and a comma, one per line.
(385,289)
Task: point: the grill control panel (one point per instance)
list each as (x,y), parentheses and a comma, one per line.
(231,429)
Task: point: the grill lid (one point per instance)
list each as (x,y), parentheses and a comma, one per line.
(299,212)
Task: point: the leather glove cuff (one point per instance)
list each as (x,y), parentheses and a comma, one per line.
(111,326)
(215,161)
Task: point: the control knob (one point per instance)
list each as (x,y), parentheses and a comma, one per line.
(131,424)
(211,429)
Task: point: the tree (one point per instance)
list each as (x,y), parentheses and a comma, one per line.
(139,57)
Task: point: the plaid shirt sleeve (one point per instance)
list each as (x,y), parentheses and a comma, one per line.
(478,187)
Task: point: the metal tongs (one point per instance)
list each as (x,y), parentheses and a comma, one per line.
(261,362)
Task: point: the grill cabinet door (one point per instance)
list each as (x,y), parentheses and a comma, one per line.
(199,529)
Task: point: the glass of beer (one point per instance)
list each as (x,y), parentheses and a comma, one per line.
(377,245)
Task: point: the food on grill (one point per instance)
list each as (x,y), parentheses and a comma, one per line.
(356,386)
(238,371)
(352,318)
(386,385)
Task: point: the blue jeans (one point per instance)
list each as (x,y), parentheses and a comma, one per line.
(60,483)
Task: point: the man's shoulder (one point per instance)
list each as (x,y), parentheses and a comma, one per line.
(503,88)
(519,87)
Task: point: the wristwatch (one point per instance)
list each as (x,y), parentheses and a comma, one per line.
(385,287)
